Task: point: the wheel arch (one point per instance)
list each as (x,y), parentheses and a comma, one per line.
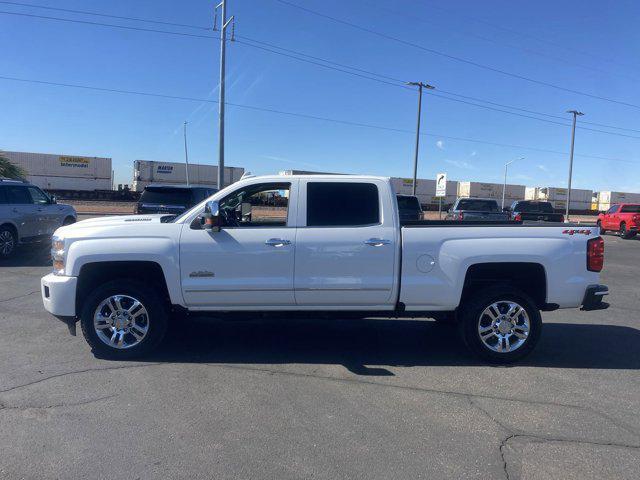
(529,277)
(96,273)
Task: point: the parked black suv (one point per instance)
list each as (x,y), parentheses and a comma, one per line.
(534,210)
(173,199)
(409,208)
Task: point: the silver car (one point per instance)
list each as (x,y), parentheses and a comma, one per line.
(28,215)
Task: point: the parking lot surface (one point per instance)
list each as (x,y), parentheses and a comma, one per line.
(315,398)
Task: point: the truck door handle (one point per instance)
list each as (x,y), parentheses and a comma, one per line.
(377,242)
(277,242)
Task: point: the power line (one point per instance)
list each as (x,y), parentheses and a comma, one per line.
(528,35)
(415,17)
(455,58)
(104,15)
(110,25)
(298,56)
(303,115)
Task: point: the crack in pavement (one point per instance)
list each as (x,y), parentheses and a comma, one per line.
(56,405)
(19,296)
(546,439)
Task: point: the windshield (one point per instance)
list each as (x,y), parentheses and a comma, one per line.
(166,196)
(408,203)
(478,205)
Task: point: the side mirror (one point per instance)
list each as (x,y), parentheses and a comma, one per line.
(53,200)
(211,217)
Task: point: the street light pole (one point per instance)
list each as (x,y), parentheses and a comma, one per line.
(575,114)
(420,86)
(186,153)
(223,43)
(504,185)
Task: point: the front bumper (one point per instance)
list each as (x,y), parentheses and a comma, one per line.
(59,297)
(593,298)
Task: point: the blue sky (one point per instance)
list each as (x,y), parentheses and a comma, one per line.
(580,45)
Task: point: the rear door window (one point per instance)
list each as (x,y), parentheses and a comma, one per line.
(3,196)
(626,209)
(18,195)
(342,204)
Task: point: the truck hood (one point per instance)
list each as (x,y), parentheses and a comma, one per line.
(134,221)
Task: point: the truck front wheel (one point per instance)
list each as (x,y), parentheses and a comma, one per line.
(123,319)
(500,324)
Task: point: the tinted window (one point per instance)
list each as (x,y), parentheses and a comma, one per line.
(613,209)
(478,205)
(167,196)
(625,209)
(3,196)
(408,203)
(342,204)
(18,195)
(542,207)
(37,196)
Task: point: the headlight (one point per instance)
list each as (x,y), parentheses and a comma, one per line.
(57,255)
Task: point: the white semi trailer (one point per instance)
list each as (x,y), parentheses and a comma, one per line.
(146,172)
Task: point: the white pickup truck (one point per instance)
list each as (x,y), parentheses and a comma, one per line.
(317,243)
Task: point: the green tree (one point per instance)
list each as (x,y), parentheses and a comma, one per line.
(9,170)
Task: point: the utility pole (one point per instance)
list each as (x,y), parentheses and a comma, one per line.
(420,86)
(223,41)
(504,186)
(575,114)
(186,153)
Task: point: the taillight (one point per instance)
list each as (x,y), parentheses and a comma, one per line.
(595,254)
(460,216)
(518,217)
(561,218)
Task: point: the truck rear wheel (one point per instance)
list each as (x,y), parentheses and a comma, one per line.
(500,324)
(123,319)
(625,233)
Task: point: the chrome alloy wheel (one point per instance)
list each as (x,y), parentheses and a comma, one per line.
(121,321)
(6,242)
(504,326)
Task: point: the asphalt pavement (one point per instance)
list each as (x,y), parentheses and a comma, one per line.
(315,398)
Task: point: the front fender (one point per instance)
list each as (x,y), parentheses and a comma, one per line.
(162,251)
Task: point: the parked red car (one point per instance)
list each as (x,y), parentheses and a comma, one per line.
(621,217)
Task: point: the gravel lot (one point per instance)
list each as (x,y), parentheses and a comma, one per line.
(321,398)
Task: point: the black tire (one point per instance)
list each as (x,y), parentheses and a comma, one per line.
(624,233)
(602,230)
(470,318)
(68,221)
(158,318)
(8,242)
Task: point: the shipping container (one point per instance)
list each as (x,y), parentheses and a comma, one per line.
(64,172)
(171,173)
(604,200)
(64,183)
(491,190)
(425,190)
(531,193)
(557,196)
